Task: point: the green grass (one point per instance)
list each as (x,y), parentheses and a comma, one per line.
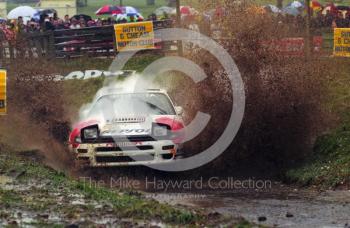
(78,92)
(37,191)
(125,205)
(329,164)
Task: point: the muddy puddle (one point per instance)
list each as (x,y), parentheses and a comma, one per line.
(293,208)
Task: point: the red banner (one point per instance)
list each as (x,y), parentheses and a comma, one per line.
(293,46)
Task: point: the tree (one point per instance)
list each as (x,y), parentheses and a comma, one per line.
(280,4)
(150,2)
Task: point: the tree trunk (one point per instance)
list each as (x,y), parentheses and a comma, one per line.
(150,2)
(280,4)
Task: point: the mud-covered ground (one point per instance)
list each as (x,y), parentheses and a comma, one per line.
(34,195)
(273,205)
(279,208)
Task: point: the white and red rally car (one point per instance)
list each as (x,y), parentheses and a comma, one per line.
(127,129)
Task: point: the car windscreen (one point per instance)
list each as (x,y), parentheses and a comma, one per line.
(134,104)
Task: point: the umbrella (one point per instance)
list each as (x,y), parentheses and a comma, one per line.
(186,11)
(86,17)
(130,11)
(272,9)
(47,11)
(108,9)
(26,12)
(291,11)
(140,16)
(316,6)
(331,8)
(164,9)
(295,4)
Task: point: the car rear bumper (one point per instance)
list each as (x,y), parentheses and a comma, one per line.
(133,154)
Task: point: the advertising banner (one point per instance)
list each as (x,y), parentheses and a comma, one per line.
(3,108)
(134,36)
(341,42)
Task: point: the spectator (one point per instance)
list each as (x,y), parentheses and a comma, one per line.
(75,24)
(60,24)
(91,23)
(340,21)
(99,22)
(318,21)
(152,17)
(132,18)
(47,25)
(32,26)
(66,19)
(328,18)
(82,22)
(347,19)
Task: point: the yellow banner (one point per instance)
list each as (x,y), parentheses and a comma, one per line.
(341,42)
(134,36)
(3,92)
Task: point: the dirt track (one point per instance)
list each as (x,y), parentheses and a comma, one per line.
(287,208)
(276,205)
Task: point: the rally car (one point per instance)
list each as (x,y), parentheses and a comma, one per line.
(128,129)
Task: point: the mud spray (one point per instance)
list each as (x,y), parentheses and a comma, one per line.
(284,111)
(36,119)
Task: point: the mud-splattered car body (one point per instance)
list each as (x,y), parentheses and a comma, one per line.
(129,129)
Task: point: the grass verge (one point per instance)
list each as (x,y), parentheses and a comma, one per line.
(36,195)
(329,164)
(37,189)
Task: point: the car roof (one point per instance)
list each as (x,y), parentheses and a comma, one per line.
(121,91)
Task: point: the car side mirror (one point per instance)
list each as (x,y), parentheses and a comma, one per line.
(179,110)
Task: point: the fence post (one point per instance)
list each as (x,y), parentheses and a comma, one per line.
(308,42)
(51,44)
(2,50)
(178,18)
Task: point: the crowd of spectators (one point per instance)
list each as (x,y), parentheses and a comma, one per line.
(11,28)
(339,19)
(47,23)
